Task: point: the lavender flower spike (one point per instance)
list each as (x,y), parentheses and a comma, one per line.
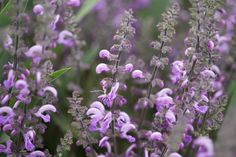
(42,109)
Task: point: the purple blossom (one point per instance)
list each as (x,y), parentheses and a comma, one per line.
(137,74)
(73,3)
(102,67)
(38,9)
(6,148)
(29,139)
(66,38)
(35,52)
(6,115)
(41,112)
(10,80)
(206,148)
(36,153)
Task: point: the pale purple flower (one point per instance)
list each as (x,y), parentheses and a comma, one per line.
(38,9)
(5,99)
(175,155)
(129,151)
(122,119)
(104,143)
(208,74)
(6,148)
(6,115)
(29,139)
(102,67)
(8,42)
(50,89)
(53,24)
(35,52)
(201,109)
(129,67)
(100,120)
(41,112)
(178,71)
(109,98)
(66,38)
(105,54)
(125,129)
(36,153)
(210,45)
(10,80)
(137,74)
(156,136)
(73,3)
(206,147)
(170,117)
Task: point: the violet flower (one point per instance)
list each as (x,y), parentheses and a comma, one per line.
(41,112)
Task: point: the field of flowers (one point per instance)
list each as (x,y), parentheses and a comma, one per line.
(117,78)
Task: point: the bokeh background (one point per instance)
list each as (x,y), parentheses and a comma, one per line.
(97,26)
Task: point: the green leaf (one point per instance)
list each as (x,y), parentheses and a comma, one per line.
(56,74)
(91,55)
(85,9)
(5,20)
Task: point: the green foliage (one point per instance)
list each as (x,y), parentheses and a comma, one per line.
(85,9)
(56,74)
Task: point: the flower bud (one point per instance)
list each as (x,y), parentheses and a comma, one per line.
(38,9)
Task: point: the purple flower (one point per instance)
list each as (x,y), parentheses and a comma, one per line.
(41,112)
(29,139)
(66,38)
(109,98)
(129,67)
(102,67)
(206,148)
(10,80)
(6,115)
(156,136)
(163,99)
(129,151)
(105,54)
(36,153)
(122,119)
(73,3)
(201,109)
(137,74)
(100,120)
(210,45)
(51,90)
(38,9)
(35,52)
(178,71)
(5,99)
(125,129)
(170,117)
(8,42)
(6,149)
(208,74)
(175,155)
(104,143)
(53,24)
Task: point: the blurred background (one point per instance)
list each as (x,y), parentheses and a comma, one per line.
(97,22)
